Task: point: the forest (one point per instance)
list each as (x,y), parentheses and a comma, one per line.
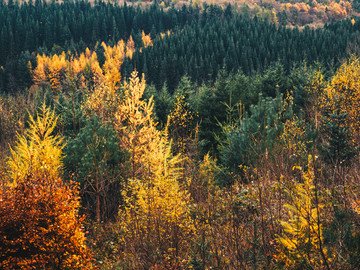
(170,135)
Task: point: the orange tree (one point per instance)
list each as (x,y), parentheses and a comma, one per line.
(39,224)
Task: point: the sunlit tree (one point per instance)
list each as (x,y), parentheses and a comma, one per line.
(39,223)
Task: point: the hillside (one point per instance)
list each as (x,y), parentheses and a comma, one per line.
(300,13)
(169,136)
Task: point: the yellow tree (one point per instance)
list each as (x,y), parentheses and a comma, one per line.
(181,124)
(114,57)
(39,74)
(146,39)
(301,244)
(37,151)
(57,68)
(135,125)
(130,47)
(344,91)
(156,226)
(39,224)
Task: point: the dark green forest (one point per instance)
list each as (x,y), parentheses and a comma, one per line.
(202,41)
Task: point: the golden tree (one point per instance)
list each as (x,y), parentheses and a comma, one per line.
(130,47)
(57,67)
(344,91)
(181,124)
(155,225)
(146,39)
(39,224)
(301,244)
(37,152)
(136,128)
(114,57)
(39,74)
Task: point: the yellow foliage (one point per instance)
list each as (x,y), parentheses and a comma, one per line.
(293,136)
(157,215)
(344,90)
(146,39)
(180,124)
(39,75)
(135,125)
(53,70)
(103,101)
(57,67)
(39,225)
(130,47)
(114,57)
(37,152)
(301,243)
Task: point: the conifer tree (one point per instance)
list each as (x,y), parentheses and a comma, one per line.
(135,125)
(39,221)
(301,245)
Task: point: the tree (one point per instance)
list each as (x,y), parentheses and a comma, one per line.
(343,93)
(94,158)
(301,244)
(156,224)
(135,125)
(114,58)
(39,223)
(37,152)
(338,147)
(255,134)
(181,124)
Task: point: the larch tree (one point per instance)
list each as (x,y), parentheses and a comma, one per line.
(39,221)
(301,244)
(156,225)
(343,94)
(114,57)
(135,125)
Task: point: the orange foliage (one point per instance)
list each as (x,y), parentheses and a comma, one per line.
(146,39)
(53,70)
(39,75)
(114,58)
(130,47)
(39,226)
(57,67)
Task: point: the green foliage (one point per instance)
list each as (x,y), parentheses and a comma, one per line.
(342,235)
(94,159)
(338,147)
(72,117)
(254,135)
(221,104)
(163,102)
